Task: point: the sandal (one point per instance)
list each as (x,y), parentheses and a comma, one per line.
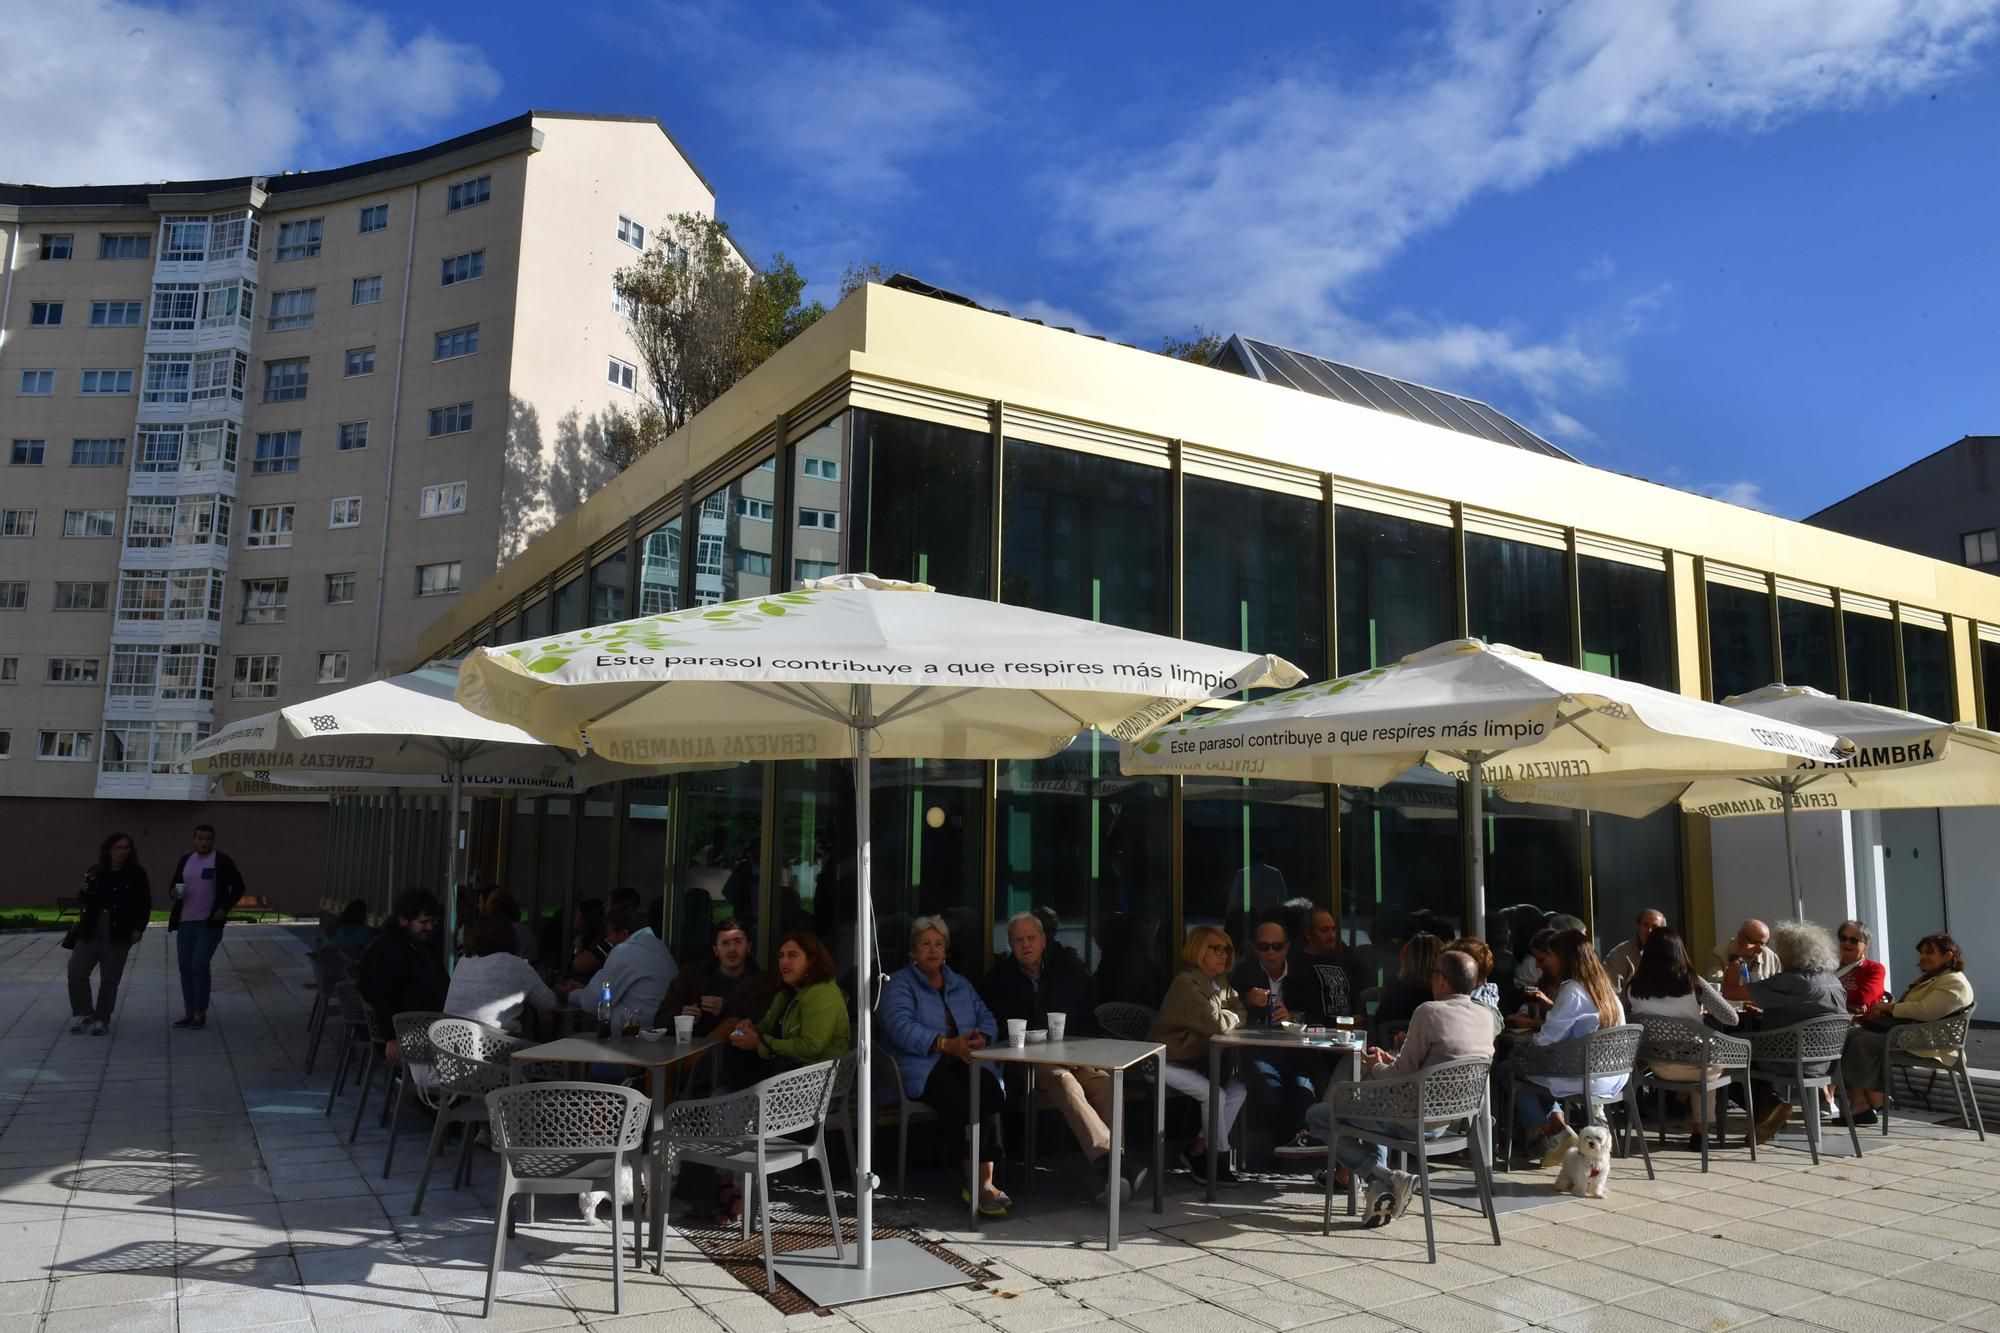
(992,1203)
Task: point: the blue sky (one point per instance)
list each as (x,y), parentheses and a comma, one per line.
(1746,249)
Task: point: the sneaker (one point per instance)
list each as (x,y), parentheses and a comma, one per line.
(200,1020)
(1772,1121)
(1302,1145)
(1225,1174)
(78,1024)
(1558,1147)
(1196,1165)
(185,1021)
(1104,1178)
(1380,1209)
(1401,1186)
(100,1027)
(1862,1119)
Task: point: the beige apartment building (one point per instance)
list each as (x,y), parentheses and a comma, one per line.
(259,432)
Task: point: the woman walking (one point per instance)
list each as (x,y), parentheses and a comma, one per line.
(117,903)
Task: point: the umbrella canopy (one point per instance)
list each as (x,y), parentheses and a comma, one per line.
(1486,713)
(852,666)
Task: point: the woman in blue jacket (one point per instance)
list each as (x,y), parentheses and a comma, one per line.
(929,1013)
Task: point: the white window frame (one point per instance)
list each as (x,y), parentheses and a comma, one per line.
(451,344)
(332,668)
(53,241)
(288,461)
(469,266)
(755,510)
(362,357)
(97,599)
(27,453)
(287,379)
(622,374)
(468,193)
(344,511)
(90,524)
(18,523)
(37,383)
(373,218)
(176,307)
(93,382)
(256,675)
(110,243)
(365,294)
(268,526)
(13,594)
(826,469)
(292,308)
(129,314)
(351,435)
(113,448)
(45,314)
(452,419)
(632,233)
(823,520)
(65,746)
(300,239)
(440,579)
(442,500)
(74,671)
(264,601)
(352,584)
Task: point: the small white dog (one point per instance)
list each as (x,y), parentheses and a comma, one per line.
(1586,1167)
(589,1201)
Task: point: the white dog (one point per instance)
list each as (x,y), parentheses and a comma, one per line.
(1586,1167)
(589,1201)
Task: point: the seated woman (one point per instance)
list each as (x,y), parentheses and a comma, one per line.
(1859,975)
(1585,1002)
(351,933)
(1534,1001)
(806,1022)
(1941,991)
(1200,1004)
(496,986)
(930,1012)
(1805,988)
(1410,987)
(1486,993)
(1667,986)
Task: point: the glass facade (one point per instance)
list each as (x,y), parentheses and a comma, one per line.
(1807,641)
(1627,619)
(1988,663)
(1739,641)
(1871,659)
(1517,593)
(1927,671)
(923,502)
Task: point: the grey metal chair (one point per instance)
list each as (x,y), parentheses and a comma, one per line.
(1401,1114)
(746,1133)
(1945,1035)
(468,1060)
(565,1138)
(1124,1021)
(1675,1041)
(355,1038)
(891,1101)
(1606,1053)
(1782,1055)
(411,1076)
(330,967)
(381,1031)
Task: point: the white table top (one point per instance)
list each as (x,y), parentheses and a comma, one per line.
(617,1051)
(1084,1052)
(1336,1039)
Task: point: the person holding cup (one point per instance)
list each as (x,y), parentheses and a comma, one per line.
(729,986)
(932,1022)
(206,885)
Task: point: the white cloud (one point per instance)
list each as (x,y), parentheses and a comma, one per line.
(1268,215)
(128,91)
(1749,494)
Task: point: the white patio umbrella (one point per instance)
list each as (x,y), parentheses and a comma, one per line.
(1901,761)
(1485,713)
(851,666)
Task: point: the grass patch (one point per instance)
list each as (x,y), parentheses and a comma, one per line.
(44,918)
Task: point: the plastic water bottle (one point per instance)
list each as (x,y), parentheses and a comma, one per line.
(604,1013)
(1743,971)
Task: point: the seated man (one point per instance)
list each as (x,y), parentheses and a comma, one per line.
(638,969)
(1449,1027)
(1032,982)
(400,972)
(730,985)
(1279,1082)
(1749,948)
(1332,994)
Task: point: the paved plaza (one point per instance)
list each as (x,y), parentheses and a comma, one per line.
(163,1180)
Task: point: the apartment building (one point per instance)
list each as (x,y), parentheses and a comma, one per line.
(259,432)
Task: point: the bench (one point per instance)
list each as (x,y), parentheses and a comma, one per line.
(65,906)
(254,906)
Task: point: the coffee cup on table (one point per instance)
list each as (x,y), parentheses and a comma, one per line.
(683,1027)
(1017,1032)
(1056,1022)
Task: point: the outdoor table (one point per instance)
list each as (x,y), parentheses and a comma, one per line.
(1337,1040)
(647,1055)
(1113,1057)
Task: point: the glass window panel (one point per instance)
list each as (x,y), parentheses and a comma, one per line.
(1627,621)
(1395,586)
(1989,667)
(1518,594)
(1739,640)
(660,569)
(593,851)
(820,513)
(1635,864)
(1077,838)
(1533,855)
(1400,859)
(1805,639)
(1871,659)
(1085,536)
(1250,846)
(922,502)
(735,534)
(1927,672)
(569,606)
(519,878)
(535,619)
(722,825)
(607,589)
(644,865)
(1254,572)
(554,889)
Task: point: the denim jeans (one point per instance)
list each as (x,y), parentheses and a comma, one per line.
(195,944)
(1359,1158)
(1282,1091)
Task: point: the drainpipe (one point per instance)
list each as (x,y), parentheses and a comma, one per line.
(7,297)
(395,419)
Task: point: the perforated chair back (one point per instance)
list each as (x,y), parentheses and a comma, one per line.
(1942,1034)
(795,1101)
(1676,1041)
(552,1130)
(353,1009)
(413,1035)
(1815,1041)
(1125,1021)
(469,1058)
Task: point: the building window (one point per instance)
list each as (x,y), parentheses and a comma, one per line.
(6,745)
(82,596)
(107,383)
(219,374)
(436,580)
(360,361)
(453,420)
(10,670)
(340,588)
(631,232)
(38,383)
(826,520)
(1981,548)
(270,525)
(456,342)
(126,246)
(176,306)
(26,453)
(753,562)
(291,309)
(621,303)
(13,594)
(826,469)
(353,435)
(445,498)
(468,194)
(276,451)
(17,522)
(255,677)
(622,374)
(332,668)
(150,747)
(97,453)
(285,381)
(229,302)
(75,670)
(462,268)
(57,245)
(374,218)
(71,746)
(168,376)
(813,569)
(344,512)
(44,314)
(264,601)
(368,290)
(299,240)
(186,240)
(754,509)
(117,314)
(90,523)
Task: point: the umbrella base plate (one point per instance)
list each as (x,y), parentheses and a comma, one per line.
(899,1268)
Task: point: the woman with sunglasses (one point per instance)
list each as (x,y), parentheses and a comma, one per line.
(117,903)
(1860,976)
(1941,991)
(1201,1004)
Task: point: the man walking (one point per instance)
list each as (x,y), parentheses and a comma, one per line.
(206,885)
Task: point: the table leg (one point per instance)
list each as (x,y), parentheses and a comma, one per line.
(1160,1131)
(656,1194)
(972,1150)
(1214,1111)
(1028,1127)
(1114,1177)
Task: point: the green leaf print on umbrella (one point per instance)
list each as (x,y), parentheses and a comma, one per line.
(729,617)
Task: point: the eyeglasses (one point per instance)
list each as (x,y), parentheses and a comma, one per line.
(1270,946)
(1852,939)
(1222,948)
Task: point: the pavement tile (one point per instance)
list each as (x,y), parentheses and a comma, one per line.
(139,1317)
(1851,1316)
(1610,1319)
(1914,1298)
(1690,1309)
(1445,1312)
(1285,1305)
(92,1289)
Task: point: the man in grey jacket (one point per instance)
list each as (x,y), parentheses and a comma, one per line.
(1451,1026)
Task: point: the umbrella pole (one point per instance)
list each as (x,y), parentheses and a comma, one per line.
(864,941)
(1788,795)
(1475,777)
(451,869)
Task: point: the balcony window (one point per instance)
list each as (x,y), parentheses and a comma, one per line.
(185,240)
(168,377)
(176,306)
(219,374)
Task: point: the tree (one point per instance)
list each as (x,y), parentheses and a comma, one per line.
(1201,349)
(860,274)
(702,319)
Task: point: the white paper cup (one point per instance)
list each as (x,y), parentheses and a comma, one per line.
(1017,1032)
(1056,1022)
(683,1027)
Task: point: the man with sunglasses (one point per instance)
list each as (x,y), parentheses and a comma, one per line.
(1279,1082)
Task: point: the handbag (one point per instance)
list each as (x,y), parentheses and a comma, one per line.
(69,938)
